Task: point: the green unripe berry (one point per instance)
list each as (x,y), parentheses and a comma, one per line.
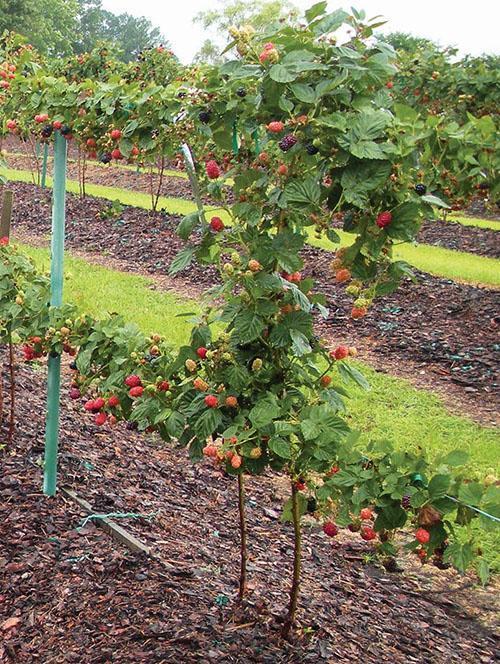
(257,364)
(228,269)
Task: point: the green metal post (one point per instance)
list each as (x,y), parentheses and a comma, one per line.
(56,290)
(44,164)
(236,147)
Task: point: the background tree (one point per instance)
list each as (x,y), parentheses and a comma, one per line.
(128,33)
(260,14)
(49,26)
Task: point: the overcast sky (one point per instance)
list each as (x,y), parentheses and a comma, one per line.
(471,26)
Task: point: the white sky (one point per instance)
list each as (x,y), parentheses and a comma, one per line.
(471,26)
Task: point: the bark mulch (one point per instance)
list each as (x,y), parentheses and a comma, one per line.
(70,595)
(444,328)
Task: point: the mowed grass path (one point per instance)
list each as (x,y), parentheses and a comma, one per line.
(447,263)
(393,409)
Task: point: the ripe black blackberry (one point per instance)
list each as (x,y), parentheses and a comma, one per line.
(105,158)
(406,502)
(66,130)
(204,116)
(287,142)
(420,189)
(46,131)
(311,149)
(312,505)
(241,92)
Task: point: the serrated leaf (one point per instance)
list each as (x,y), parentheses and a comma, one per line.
(438,486)
(265,411)
(187,225)
(282,74)
(471,493)
(280,447)
(207,423)
(175,424)
(247,327)
(350,373)
(330,23)
(435,200)
(316,10)
(304,93)
(460,555)
(300,345)
(182,260)
(304,193)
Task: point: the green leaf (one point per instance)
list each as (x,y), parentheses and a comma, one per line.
(350,373)
(363,177)
(438,486)
(182,260)
(285,104)
(187,225)
(304,92)
(460,555)
(405,221)
(265,411)
(330,23)
(390,517)
(316,10)
(300,344)
(455,458)
(237,377)
(483,571)
(310,429)
(435,200)
(175,424)
(280,447)
(471,493)
(282,74)
(304,193)
(247,327)
(208,423)
(367,150)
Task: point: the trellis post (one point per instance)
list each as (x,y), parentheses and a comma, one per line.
(56,291)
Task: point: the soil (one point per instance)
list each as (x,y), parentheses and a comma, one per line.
(443,332)
(74,595)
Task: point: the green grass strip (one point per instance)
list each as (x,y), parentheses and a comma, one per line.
(491,224)
(441,262)
(97,290)
(447,263)
(392,410)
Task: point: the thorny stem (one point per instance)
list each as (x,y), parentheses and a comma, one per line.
(294,591)
(243,537)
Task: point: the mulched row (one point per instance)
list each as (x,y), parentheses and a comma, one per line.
(447,328)
(450,235)
(69,595)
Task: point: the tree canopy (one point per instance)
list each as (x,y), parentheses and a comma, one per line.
(64,27)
